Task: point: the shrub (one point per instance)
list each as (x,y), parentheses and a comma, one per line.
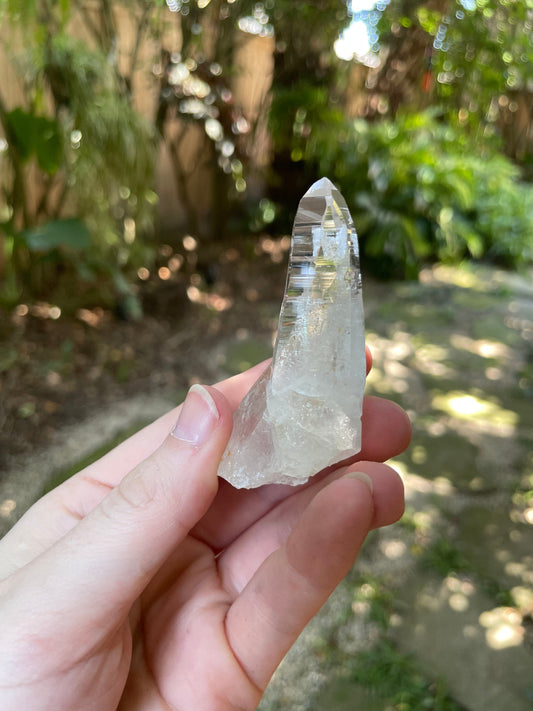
(421,190)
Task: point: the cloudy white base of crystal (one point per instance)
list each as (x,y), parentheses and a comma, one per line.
(304,412)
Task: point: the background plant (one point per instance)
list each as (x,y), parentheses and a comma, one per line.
(422,190)
(416,137)
(89,156)
(471,57)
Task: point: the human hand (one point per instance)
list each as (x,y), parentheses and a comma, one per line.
(143,584)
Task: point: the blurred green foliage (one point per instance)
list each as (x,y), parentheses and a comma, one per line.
(306,96)
(399,682)
(421,190)
(93,156)
(473,58)
(424,167)
(445,96)
(480,49)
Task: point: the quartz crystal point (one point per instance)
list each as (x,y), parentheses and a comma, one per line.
(304,412)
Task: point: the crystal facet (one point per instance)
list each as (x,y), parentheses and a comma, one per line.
(304,412)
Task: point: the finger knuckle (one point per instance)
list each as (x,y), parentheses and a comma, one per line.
(139,491)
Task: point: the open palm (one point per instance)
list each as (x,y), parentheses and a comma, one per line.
(141,585)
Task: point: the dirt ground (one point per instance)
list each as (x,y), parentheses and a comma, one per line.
(55,371)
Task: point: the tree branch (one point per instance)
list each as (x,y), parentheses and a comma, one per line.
(181,179)
(141,27)
(108,25)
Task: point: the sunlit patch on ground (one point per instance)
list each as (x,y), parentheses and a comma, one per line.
(503,627)
(476,409)
(482,347)
(7,506)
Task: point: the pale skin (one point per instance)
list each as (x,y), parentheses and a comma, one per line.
(145,584)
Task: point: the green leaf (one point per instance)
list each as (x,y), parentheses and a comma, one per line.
(70,233)
(36,136)
(20,124)
(415,237)
(48,144)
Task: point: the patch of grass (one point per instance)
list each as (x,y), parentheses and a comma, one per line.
(445,558)
(408,521)
(380,678)
(379,599)
(396,679)
(502,596)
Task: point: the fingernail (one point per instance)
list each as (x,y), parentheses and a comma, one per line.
(362,477)
(198,417)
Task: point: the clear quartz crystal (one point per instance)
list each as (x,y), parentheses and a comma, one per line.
(304,412)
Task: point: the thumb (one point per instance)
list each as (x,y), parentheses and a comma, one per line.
(106,561)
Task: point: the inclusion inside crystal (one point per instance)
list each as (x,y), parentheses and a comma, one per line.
(304,412)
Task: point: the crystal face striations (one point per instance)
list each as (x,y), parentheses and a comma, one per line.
(304,412)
